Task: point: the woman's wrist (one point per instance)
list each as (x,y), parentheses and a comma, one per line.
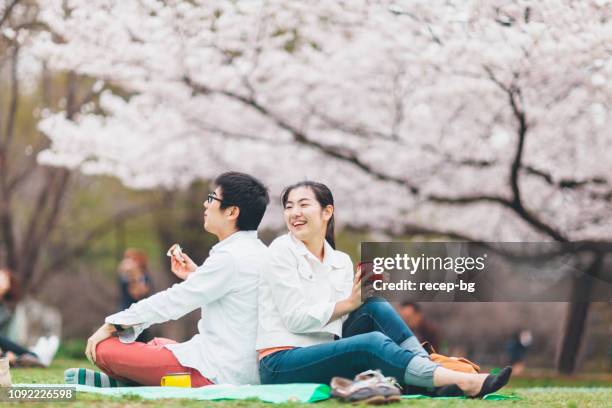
(341,308)
(349,304)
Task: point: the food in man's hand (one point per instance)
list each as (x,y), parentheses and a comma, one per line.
(176,252)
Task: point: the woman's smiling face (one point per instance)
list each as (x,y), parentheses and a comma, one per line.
(304,216)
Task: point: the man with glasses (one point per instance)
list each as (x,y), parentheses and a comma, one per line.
(224,287)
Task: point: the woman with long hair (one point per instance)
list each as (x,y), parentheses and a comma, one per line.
(313,324)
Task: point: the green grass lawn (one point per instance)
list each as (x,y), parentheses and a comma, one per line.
(544,391)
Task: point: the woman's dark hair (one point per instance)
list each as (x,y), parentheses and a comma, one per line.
(324,197)
(246,193)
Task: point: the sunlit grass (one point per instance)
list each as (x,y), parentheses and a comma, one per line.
(566,392)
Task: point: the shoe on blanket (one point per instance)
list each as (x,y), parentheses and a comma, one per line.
(370,387)
(350,391)
(388,386)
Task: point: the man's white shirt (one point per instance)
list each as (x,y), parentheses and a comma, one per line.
(226,285)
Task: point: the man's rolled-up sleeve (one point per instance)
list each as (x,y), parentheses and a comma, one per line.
(209,282)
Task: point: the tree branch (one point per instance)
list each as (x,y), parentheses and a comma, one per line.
(300,137)
(95,233)
(347,156)
(50,197)
(25,172)
(519,114)
(515,99)
(352,130)
(40,221)
(564,182)
(8,233)
(37,212)
(7,11)
(9,130)
(415,229)
(6,217)
(470,199)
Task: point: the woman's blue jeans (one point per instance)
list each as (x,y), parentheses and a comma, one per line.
(374,337)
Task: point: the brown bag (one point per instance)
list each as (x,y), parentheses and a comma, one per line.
(452,363)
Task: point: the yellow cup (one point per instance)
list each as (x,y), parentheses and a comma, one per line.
(176,380)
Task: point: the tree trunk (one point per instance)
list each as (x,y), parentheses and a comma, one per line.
(576,319)
(575,323)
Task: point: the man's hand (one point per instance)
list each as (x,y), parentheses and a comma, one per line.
(101,334)
(182,267)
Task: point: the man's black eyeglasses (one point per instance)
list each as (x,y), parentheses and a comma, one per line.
(211,197)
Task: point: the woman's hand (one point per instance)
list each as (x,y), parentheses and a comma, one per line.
(352,302)
(182,267)
(101,334)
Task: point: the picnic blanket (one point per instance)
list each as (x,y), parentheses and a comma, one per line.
(267,393)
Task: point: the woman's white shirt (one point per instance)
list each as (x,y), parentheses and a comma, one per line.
(298,293)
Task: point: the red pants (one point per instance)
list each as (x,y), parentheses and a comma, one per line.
(142,363)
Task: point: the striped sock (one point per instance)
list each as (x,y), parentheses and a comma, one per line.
(85,376)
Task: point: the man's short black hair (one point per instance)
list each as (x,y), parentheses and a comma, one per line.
(246,193)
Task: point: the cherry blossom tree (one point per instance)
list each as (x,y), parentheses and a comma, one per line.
(36,242)
(472,120)
(25,228)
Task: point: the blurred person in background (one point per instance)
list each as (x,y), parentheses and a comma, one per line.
(10,293)
(19,356)
(516,349)
(134,283)
(412,314)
